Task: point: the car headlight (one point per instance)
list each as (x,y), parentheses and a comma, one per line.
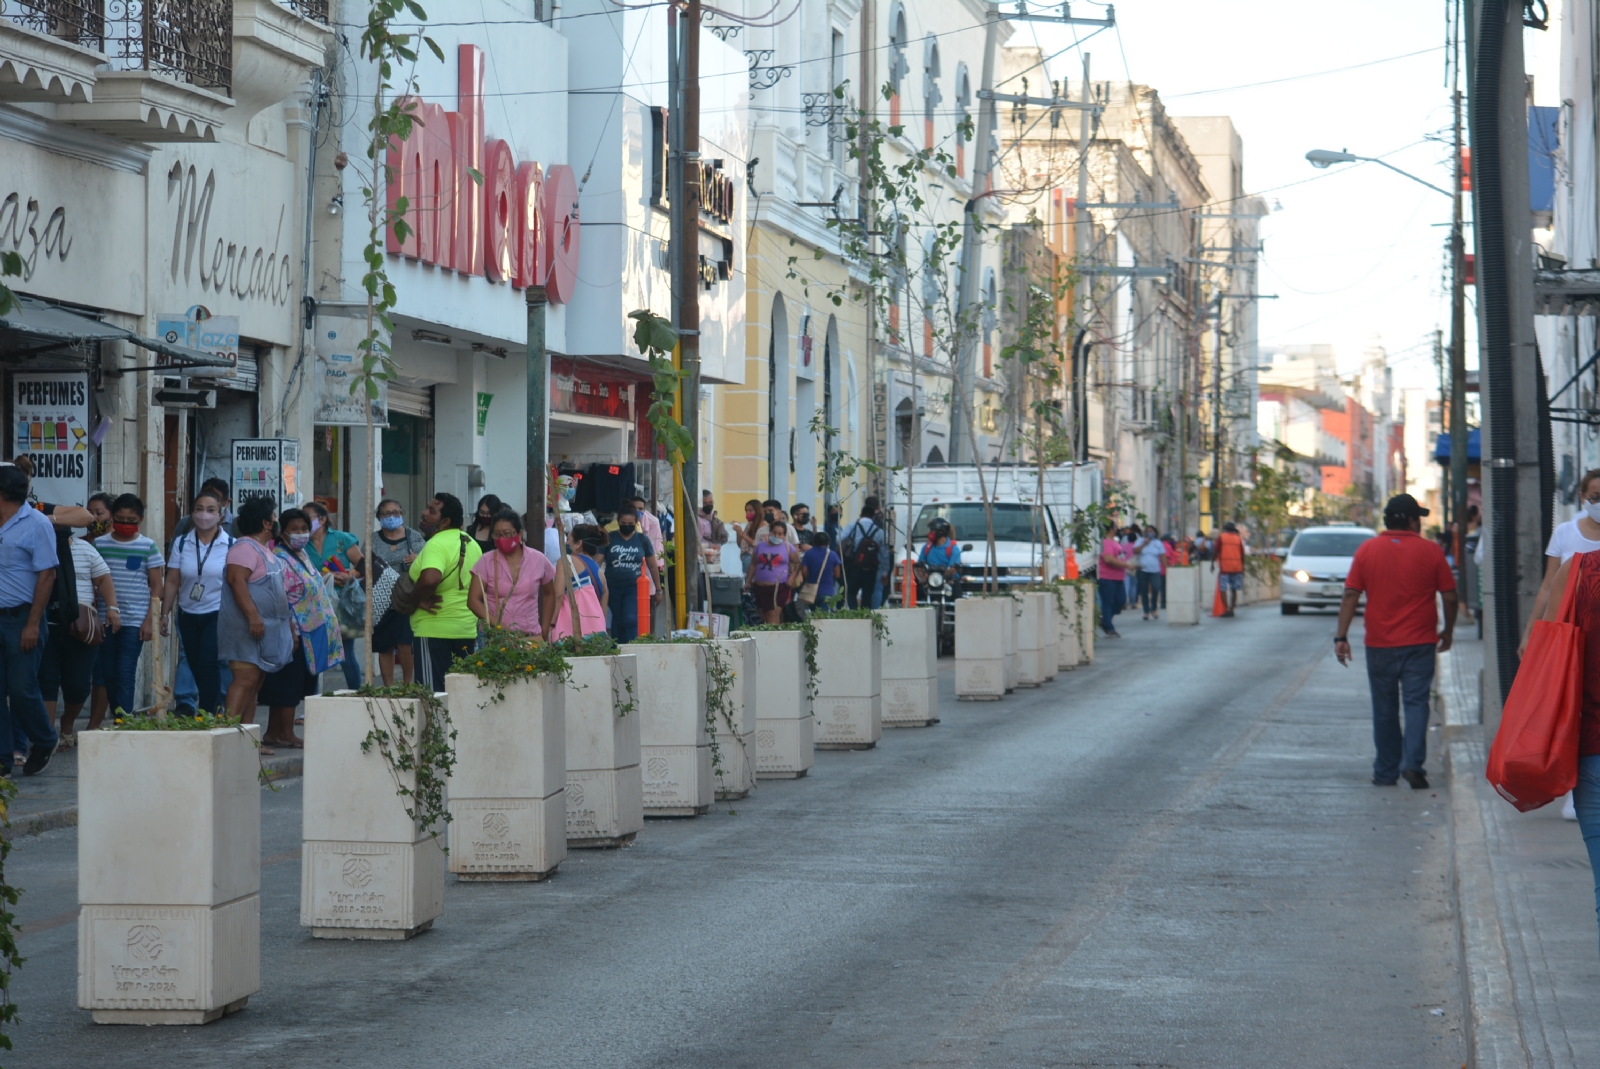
(935,580)
(1302,576)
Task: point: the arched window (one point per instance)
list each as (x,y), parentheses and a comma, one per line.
(991,320)
(930,86)
(898,67)
(964,118)
(930,294)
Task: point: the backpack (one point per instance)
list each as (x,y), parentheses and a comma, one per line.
(862,554)
(403,598)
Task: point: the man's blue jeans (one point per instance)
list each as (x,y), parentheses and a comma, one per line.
(1586,800)
(625,616)
(1113,596)
(351,665)
(1400,675)
(23,711)
(119,668)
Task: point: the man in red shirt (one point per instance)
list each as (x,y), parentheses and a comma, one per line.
(1400,571)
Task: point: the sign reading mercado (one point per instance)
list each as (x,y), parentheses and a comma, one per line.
(520,226)
(50,419)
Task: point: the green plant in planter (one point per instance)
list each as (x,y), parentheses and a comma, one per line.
(880,622)
(426,750)
(601,644)
(809,633)
(201,721)
(509,656)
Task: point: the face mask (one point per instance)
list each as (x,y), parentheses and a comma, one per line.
(299,540)
(1592,510)
(126,530)
(429,529)
(626,529)
(392,523)
(705,510)
(205,521)
(749,515)
(316,524)
(775,539)
(508,545)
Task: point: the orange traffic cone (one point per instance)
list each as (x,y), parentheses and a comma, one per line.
(1218,605)
(642,588)
(1072,564)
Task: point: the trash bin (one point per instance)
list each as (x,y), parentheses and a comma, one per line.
(726,594)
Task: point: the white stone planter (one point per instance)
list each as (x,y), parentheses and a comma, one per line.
(1052,635)
(367,870)
(1009,638)
(784,726)
(169,874)
(605,787)
(736,746)
(1033,621)
(910,692)
(1183,595)
(1068,651)
(675,751)
(508,805)
(981,627)
(849,710)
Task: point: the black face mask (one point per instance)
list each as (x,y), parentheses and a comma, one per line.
(626,529)
(705,510)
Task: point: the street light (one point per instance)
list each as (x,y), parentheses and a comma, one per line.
(1324,158)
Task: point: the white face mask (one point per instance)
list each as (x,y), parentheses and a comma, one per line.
(1592,510)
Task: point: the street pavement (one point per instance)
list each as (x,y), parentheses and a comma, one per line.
(1173,857)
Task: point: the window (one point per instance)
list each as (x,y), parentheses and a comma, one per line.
(930,86)
(1012,522)
(898,67)
(1329,543)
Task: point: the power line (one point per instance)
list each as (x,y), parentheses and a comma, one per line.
(1301,77)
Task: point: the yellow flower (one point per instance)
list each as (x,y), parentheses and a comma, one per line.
(199,717)
(119,719)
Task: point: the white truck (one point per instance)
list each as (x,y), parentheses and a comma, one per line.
(1023,530)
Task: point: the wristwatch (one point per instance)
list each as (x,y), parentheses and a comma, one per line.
(1340,638)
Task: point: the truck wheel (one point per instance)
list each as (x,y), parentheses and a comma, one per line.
(1289,610)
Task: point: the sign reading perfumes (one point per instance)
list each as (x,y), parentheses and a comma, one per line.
(50,426)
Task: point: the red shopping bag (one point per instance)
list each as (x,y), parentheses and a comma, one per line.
(1534,757)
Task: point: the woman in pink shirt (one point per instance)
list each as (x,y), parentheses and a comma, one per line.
(511,586)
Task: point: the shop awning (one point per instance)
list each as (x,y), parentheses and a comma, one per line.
(51,323)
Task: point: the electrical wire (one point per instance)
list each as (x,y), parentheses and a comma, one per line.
(1302,77)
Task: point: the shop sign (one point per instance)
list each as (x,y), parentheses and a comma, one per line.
(338,365)
(716,192)
(50,414)
(266,467)
(483,411)
(471,206)
(199,329)
(591,395)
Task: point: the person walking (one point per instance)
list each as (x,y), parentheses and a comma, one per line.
(1227,560)
(338,553)
(67,669)
(138,574)
(195,577)
(801,525)
(254,632)
(513,588)
(823,569)
(1400,572)
(579,586)
(775,563)
(1152,554)
(865,550)
(394,545)
(27,577)
(629,554)
(1111,575)
(443,624)
(317,644)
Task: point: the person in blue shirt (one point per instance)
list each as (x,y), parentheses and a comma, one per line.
(942,552)
(27,576)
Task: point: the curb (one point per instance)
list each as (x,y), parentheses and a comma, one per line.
(66,816)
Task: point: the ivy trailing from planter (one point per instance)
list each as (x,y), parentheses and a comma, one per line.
(809,633)
(425,750)
(880,623)
(601,644)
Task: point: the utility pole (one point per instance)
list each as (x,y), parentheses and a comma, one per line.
(683,192)
(972,247)
(538,447)
(1083,259)
(1216,421)
(1458,342)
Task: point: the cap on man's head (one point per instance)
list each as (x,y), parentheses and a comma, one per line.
(1404,505)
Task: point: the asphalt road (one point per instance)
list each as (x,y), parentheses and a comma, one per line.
(1171,858)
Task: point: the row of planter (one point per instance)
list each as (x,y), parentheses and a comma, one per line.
(169,929)
(1005,641)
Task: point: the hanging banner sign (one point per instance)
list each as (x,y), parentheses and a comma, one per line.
(199,329)
(50,421)
(338,364)
(266,467)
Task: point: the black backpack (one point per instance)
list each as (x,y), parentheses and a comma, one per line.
(865,549)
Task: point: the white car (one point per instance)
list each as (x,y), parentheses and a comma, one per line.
(1318,561)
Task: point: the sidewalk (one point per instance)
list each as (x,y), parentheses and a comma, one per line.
(1525,897)
(50,799)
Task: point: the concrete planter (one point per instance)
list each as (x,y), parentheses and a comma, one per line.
(1183,595)
(368,871)
(1052,635)
(981,627)
(737,746)
(508,806)
(1033,621)
(785,747)
(169,874)
(849,711)
(1009,638)
(605,787)
(675,749)
(1069,653)
(910,692)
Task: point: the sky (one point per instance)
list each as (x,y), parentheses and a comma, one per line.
(1354,252)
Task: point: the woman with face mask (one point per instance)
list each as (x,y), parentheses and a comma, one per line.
(196,567)
(774,564)
(1581,534)
(629,555)
(317,646)
(255,634)
(511,586)
(579,583)
(396,545)
(482,526)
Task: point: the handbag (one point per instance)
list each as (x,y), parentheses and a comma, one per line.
(1534,757)
(403,598)
(87,628)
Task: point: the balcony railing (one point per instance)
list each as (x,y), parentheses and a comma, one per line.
(317,10)
(83,22)
(189,39)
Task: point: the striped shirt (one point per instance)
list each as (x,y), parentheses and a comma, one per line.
(130,563)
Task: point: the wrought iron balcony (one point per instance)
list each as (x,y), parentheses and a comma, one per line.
(315,10)
(83,22)
(191,40)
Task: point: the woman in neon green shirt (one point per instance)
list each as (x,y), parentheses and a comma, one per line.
(444,626)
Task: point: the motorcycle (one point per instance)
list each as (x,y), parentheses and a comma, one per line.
(939,590)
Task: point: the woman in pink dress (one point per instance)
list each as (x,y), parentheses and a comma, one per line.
(512,585)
